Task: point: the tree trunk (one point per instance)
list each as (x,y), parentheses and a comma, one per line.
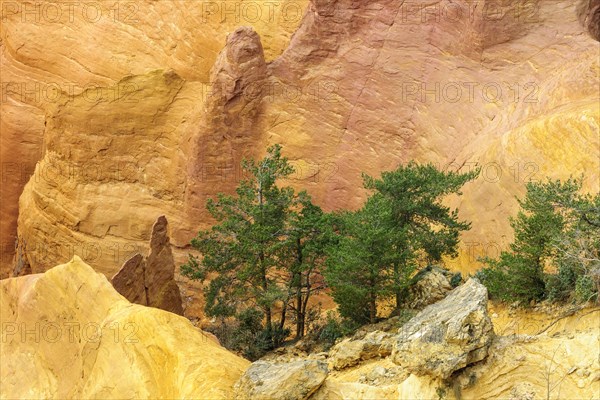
(372,301)
(299,311)
(265,287)
(373,308)
(281,324)
(397,288)
(269,323)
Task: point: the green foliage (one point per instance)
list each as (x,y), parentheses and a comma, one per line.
(357,265)
(246,335)
(456,279)
(265,248)
(560,285)
(554,228)
(402,226)
(249,337)
(584,289)
(335,329)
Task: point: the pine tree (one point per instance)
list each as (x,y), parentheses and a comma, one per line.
(240,252)
(358,265)
(263,257)
(555,247)
(423,229)
(308,235)
(402,227)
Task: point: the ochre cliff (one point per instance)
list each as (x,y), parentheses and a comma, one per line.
(509,86)
(53,52)
(67,333)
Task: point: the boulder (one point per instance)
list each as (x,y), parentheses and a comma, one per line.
(429,286)
(350,352)
(448,335)
(296,380)
(345,354)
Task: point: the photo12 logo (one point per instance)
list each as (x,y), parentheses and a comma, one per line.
(69,12)
(54,172)
(279,12)
(54,92)
(69,331)
(470,92)
(420,12)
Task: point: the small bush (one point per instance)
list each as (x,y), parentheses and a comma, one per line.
(245,334)
(560,285)
(335,329)
(456,280)
(584,289)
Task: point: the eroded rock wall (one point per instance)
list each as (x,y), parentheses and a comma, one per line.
(361,86)
(52,52)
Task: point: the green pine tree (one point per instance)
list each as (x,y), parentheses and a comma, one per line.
(308,234)
(402,227)
(263,257)
(556,244)
(240,252)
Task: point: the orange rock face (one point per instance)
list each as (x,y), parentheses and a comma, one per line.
(510,86)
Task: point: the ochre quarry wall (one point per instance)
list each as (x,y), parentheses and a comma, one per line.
(55,52)
(351,87)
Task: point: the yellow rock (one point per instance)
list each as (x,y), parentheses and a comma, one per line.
(560,363)
(68,334)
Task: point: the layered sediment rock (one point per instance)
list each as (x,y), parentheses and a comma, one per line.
(429,286)
(55,51)
(447,336)
(68,334)
(350,352)
(265,380)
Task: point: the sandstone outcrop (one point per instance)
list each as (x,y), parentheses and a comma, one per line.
(350,352)
(161,116)
(159,277)
(524,363)
(51,52)
(68,334)
(448,335)
(296,380)
(150,281)
(429,286)
(129,281)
